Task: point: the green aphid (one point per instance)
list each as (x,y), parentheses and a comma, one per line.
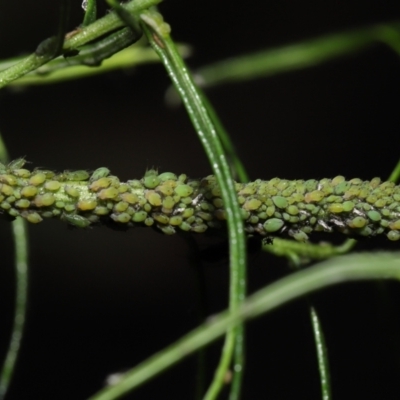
(185,226)
(37,179)
(7,190)
(384,223)
(314,197)
(22,173)
(263,215)
(245,214)
(109,193)
(311,184)
(139,216)
(80,175)
(153,198)
(161,218)
(374,216)
(123,188)
(186,200)
(13,212)
(348,206)
(52,185)
(204,216)
(300,236)
(168,202)
(149,221)
(44,200)
(336,208)
(273,225)
(175,220)
(166,176)
(166,229)
(101,210)
(199,228)
(187,212)
(130,198)
(93,219)
(366,231)
(337,180)
(5,205)
(49,174)
(121,206)
(218,203)
(380,203)
(76,220)
(101,183)
(87,205)
(16,164)
(101,172)
(341,188)
(33,217)
(69,207)
(123,218)
(393,235)
(375,182)
(252,204)
(151,181)
(358,222)
(395,225)
(23,203)
(8,179)
(191,220)
(292,210)
(184,190)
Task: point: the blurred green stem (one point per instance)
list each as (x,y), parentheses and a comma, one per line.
(46,50)
(20,236)
(157,32)
(367,266)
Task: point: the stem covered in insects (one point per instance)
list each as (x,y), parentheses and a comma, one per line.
(169,202)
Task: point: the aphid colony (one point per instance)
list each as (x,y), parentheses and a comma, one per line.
(170,202)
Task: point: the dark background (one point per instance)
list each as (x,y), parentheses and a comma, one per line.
(102,301)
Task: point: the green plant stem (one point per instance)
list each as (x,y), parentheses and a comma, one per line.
(60,69)
(157,33)
(395,175)
(20,236)
(172,203)
(337,270)
(45,51)
(322,354)
(238,169)
(319,338)
(90,12)
(298,56)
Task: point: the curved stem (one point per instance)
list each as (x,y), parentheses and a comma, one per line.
(20,236)
(337,270)
(157,33)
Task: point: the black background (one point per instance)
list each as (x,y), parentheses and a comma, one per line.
(102,301)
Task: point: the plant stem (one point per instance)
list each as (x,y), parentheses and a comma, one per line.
(157,33)
(337,270)
(20,237)
(46,50)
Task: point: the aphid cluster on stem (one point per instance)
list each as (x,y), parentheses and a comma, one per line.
(170,202)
